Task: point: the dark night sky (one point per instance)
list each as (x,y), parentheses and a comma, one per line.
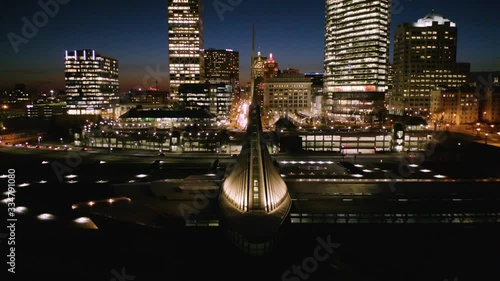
(135,32)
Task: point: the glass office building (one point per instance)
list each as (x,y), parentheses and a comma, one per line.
(356,57)
(91,82)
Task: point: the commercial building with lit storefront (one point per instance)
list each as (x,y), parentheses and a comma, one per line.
(91,82)
(356,57)
(425,59)
(185,42)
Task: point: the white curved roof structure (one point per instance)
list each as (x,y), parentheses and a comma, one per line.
(432,18)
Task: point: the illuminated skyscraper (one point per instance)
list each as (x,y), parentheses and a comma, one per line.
(356,57)
(185,42)
(263,68)
(91,82)
(222,66)
(425,59)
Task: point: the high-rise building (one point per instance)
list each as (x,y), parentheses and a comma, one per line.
(425,59)
(185,42)
(263,68)
(356,57)
(91,82)
(222,66)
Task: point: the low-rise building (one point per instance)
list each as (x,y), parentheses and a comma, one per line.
(288,94)
(455,106)
(45,110)
(491,108)
(167,119)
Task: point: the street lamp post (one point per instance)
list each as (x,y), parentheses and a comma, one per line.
(486,138)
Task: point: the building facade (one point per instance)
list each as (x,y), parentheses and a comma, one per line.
(491,109)
(216,98)
(91,82)
(222,67)
(19,97)
(263,68)
(288,94)
(46,110)
(425,59)
(185,42)
(317,94)
(356,57)
(455,106)
(141,96)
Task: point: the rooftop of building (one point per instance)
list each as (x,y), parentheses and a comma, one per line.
(300,78)
(140,113)
(431,18)
(47,104)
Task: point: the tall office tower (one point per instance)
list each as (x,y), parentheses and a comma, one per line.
(185,42)
(222,66)
(91,82)
(356,57)
(263,68)
(425,59)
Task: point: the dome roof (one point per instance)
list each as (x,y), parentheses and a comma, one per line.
(434,16)
(431,18)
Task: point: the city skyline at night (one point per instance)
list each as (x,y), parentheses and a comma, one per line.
(137,36)
(250,140)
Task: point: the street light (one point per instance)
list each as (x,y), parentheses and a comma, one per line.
(486,139)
